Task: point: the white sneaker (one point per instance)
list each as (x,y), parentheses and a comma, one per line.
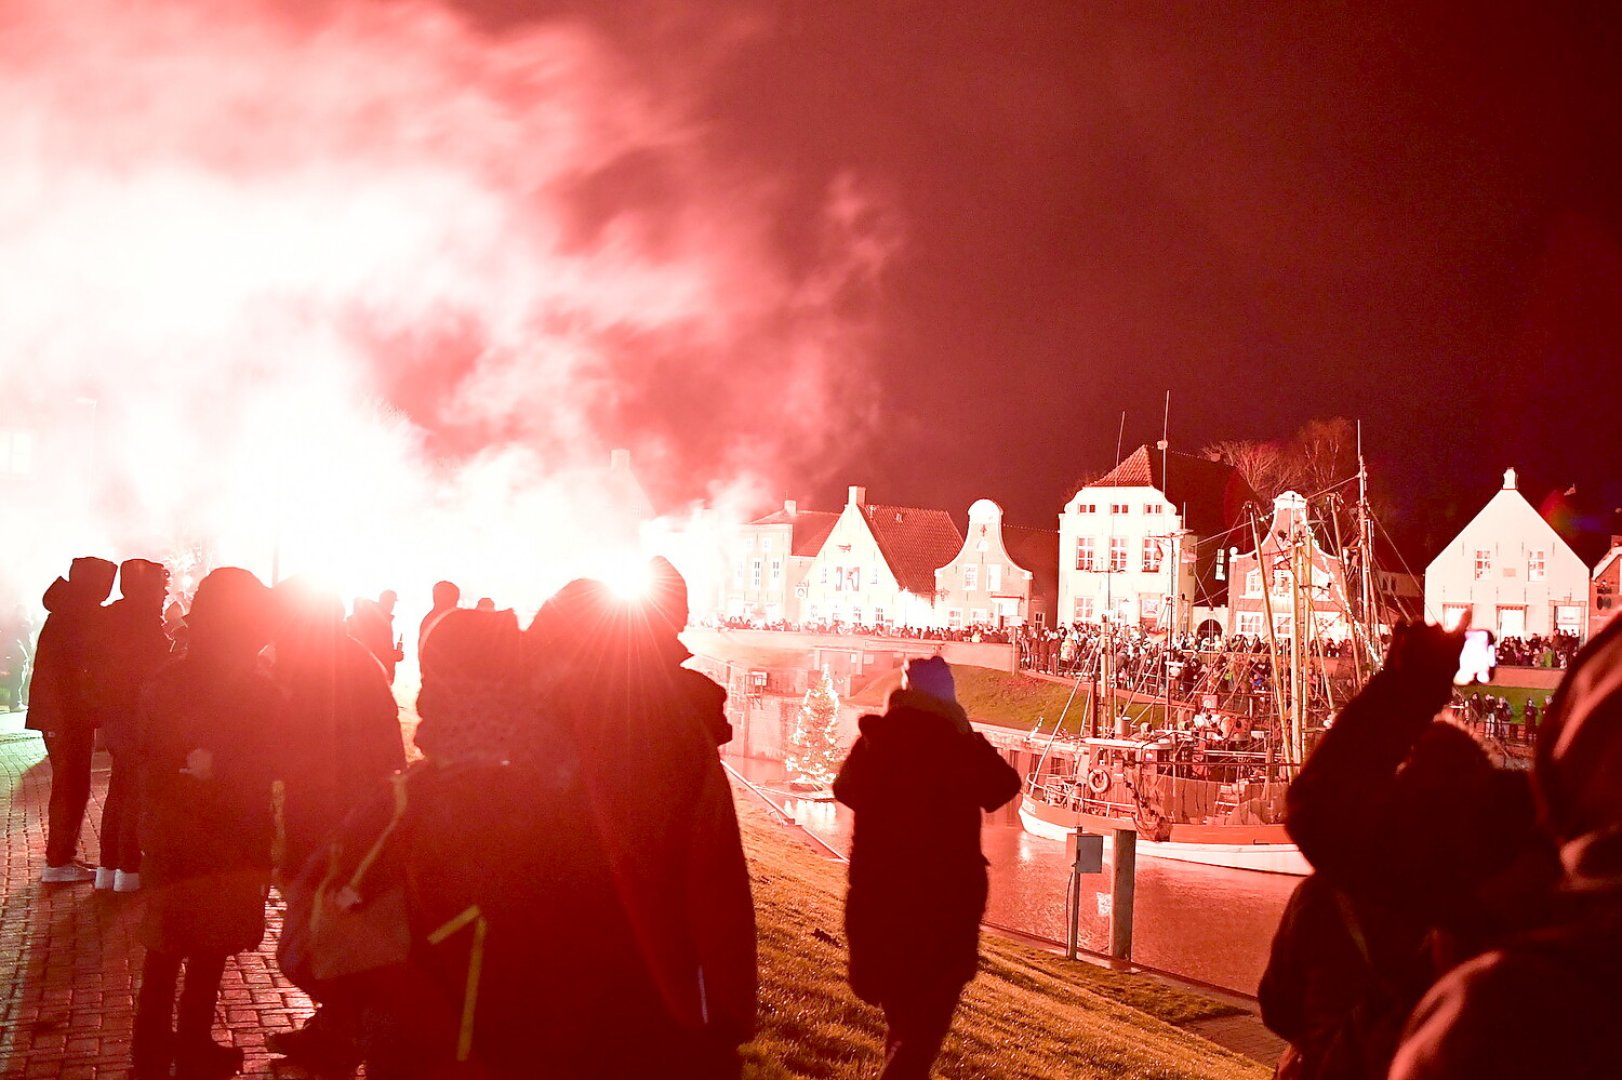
(127,881)
(105,877)
(71,874)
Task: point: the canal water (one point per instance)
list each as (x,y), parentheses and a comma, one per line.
(1204,922)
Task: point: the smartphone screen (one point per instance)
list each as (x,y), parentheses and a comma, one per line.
(1477,659)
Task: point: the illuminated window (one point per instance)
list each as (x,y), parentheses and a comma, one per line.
(1082,609)
(1250,623)
(994,577)
(777,571)
(954,618)
(1119,508)
(878,616)
(1253,583)
(1537,566)
(754,573)
(1151,555)
(1483,563)
(971,578)
(1086,553)
(1086,508)
(1117,554)
(1453,615)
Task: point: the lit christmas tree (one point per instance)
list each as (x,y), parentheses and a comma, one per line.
(815,754)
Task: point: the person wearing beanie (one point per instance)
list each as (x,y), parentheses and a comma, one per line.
(1543,1004)
(129,646)
(59,707)
(918,778)
(207,736)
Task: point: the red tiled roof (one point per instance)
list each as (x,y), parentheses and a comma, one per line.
(1036,550)
(915,543)
(811,529)
(1210,495)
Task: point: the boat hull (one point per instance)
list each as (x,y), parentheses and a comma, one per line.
(1263,848)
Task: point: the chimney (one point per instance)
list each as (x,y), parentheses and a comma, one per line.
(858,496)
(1509,479)
(790,507)
(619,460)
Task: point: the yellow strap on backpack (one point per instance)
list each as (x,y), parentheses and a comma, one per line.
(475,962)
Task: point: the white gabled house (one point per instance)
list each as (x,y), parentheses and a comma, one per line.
(1511,572)
(877,566)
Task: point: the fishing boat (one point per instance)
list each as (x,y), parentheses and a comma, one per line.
(1205,780)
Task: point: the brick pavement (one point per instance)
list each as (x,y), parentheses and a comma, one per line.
(69,961)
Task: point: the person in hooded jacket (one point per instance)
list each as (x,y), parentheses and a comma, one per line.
(647,732)
(918,778)
(1545,1003)
(207,732)
(129,647)
(59,706)
(341,740)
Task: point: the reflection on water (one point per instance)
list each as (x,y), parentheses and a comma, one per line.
(1205,922)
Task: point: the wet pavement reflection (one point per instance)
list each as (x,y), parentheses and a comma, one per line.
(1204,922)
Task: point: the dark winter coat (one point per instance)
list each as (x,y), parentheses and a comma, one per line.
(128,647)
(57,691)
(1543,1005)
(340,736)
(918,778)
(206,839)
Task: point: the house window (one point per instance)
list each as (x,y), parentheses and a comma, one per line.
(853,580)
(1537,566)
(1151,555)
(1453,615)
(978,616)
(1222,564)
(1086,553)
(1086,508)
(1082,609)
(878,616)
(1483,563)
(971,577)
(754,573)
(777,571)
(1117,554)
(1281,582)
(822,576)
(1250,623)
(1282,623)
(954,618)
(1119,508)
(994,577)
(1153,508)
(1568,618)
(839,579)
(1253,583)
(765,543)
(856,615)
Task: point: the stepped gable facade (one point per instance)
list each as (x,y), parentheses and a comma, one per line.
(769,560)
(1004,575)
(1157,520)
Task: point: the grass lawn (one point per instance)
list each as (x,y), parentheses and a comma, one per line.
(1015,701)
(1028,1014)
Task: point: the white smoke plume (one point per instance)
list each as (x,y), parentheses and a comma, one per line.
(373,291)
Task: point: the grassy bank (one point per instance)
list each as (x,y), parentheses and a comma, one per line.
(1028,1014)
(1013,701)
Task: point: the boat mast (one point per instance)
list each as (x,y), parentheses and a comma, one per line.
(1266,571)
(1365,539)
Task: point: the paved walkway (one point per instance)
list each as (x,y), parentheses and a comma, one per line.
(69,961)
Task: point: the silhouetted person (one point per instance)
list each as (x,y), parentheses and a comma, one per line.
(1423,855)
(646,732)
(58,706)
(372,624)
(484,603)
(446,596)
(463,669)
(207,742)
(129,647)
(918,778)
(1545,1003)
(341,739)
(16,650)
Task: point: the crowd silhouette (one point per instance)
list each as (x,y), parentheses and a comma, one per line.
(558,887)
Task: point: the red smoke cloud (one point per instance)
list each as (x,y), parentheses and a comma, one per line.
(380,289)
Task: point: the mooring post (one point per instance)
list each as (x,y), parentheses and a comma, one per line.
(1086,851)
(1122,890)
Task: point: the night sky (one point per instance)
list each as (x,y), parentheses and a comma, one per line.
(1395,213)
